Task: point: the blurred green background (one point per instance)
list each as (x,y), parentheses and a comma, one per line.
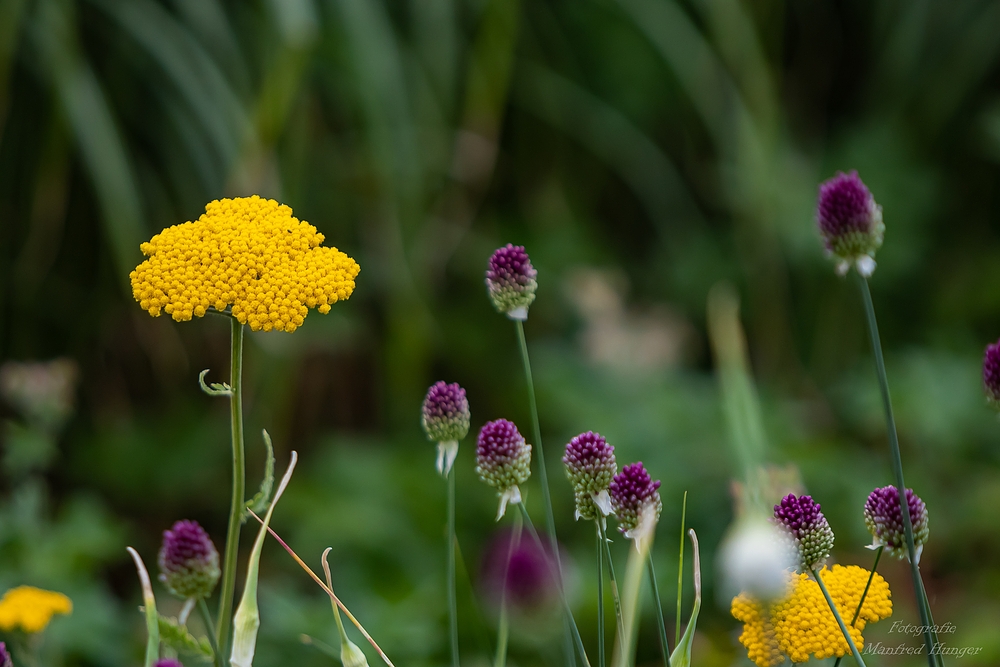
(642,150)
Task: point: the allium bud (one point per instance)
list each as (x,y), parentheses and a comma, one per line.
(590,465)
(991,374)
(445,417)
(189,563)
(885,521)
(511,281)
(850,222)
(631,491)
(5,660)
(168,662)
(503,460)
(801,517)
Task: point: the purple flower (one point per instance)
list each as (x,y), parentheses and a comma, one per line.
(189,563)
(445,418)
(991,374)
(805,524)
(590,465)
(631,490)
(168,662)
(503,460)
(850,222)
(510,279)
(5,660)
(520,572)
(884,520)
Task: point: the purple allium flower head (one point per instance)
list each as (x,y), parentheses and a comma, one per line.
(168,662)
(445,417)
(803,519)
(631,490)
(510,279)
(519,571)
(850,222)
(884,520)
(5,660)
(991,374)
(590,465)
(189,563)
(503,460)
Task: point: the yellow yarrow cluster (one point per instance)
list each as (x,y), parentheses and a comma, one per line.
(802,625)
(31,609)
(246,253)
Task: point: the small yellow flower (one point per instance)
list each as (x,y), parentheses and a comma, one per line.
(31,608)
(802,625)
(248,253)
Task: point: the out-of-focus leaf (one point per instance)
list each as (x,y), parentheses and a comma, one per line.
(178,638)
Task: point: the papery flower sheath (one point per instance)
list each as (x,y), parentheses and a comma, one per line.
(808,529)
(850,222)
(249,255)
(503,460)
(590,466)
(189,562)
(884,520)
(632,491)
(511,282)
(445,418)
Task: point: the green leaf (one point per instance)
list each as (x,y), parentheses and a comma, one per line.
(258,503)
(215,388)
(178,638)
(681,657)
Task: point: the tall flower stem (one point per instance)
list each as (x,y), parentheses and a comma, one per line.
(239,482)
(614,583)
(660,623)
(864,594)
(923,607)
(452,595)
(840,621)
(503,630)
(600,596)
(680,570)
(206,618)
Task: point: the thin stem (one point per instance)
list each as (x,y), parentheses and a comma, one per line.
(840,621)
(452,594)
(206,618)
(239,482)
(680,570)
(614,587)
(562,594)
(660,623)
(503,631)
(600,596)
(864,594)
(923,607)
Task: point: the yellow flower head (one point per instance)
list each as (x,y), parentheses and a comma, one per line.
(248,253)
(31,608)
(802,625)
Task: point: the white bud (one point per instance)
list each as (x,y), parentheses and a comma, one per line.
(755,559)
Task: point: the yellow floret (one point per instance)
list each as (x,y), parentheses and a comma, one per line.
(802,625)
(31,609)
(246,253)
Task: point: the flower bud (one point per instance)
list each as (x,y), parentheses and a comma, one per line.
(808,529)
(630,491)
(991,374)
(884,520)
(189,563)
(590,466)
(445,418)
(503,460)
(850,222)
(511,281)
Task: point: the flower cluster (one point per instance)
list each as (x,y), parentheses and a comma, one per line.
(189,563)
(590,466)
(801,625)
(511,282)
(805,524)
(884,520)
(633,491)
(445,418)
(249,254)
(503,460)
(31,609)
(850,222)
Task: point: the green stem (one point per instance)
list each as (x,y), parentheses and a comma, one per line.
(503,631)
(680,571)
(840,621)
(923,607)
(452,595)
(206,618)
(600,597)
(562,593)
(660,623)
(614,587)
(864,594)
(239,481)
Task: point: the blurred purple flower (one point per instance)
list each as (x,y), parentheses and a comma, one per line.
(991,374)
(526,583)
(510,279)
(445,418)
(850,222)
(189,563)
(884,520)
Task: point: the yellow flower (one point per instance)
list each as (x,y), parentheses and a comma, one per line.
(248,253)
(802,625)
(31,608)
